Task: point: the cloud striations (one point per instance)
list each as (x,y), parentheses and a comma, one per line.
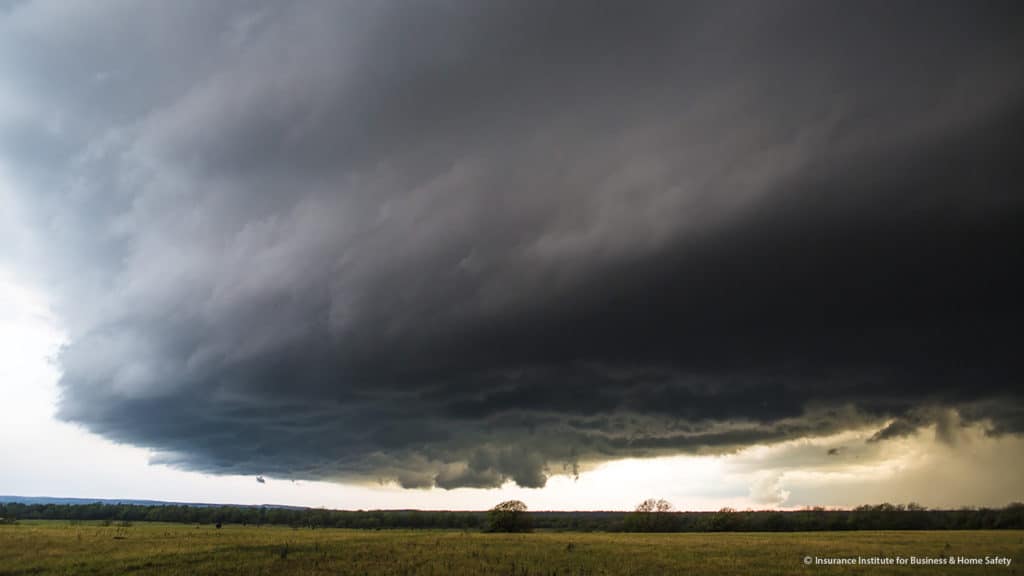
(461,243)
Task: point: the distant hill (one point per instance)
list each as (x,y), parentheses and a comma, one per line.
(52,500)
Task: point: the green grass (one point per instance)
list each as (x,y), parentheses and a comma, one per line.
(60,547)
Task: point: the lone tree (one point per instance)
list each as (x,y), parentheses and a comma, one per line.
(652,505)
(652,516)
(509,516)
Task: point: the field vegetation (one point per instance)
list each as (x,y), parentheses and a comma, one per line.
(122,538)
(89,547)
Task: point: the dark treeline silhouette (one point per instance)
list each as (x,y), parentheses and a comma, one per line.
(877,517)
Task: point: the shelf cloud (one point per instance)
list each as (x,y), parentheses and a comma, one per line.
(457,244)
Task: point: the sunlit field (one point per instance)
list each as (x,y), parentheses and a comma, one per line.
(60,547)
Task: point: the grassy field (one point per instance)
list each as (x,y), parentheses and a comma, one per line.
(59,547)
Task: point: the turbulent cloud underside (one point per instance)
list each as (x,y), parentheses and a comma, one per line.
(456,244)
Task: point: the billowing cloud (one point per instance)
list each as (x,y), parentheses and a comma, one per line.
(457,244)
(978,468)
(767,489)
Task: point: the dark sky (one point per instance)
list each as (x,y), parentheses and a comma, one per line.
(456,243)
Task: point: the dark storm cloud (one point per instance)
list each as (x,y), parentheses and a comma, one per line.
(455,243)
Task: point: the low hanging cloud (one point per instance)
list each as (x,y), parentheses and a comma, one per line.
(457,244)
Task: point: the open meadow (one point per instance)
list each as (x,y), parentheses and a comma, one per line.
(62,547)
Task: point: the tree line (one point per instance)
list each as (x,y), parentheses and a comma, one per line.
(512,517)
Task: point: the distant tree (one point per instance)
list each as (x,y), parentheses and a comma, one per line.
(652,516)
(725,519)
(647,506)
(509,516)
(652,505)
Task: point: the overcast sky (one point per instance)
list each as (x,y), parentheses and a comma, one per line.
(433,254)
